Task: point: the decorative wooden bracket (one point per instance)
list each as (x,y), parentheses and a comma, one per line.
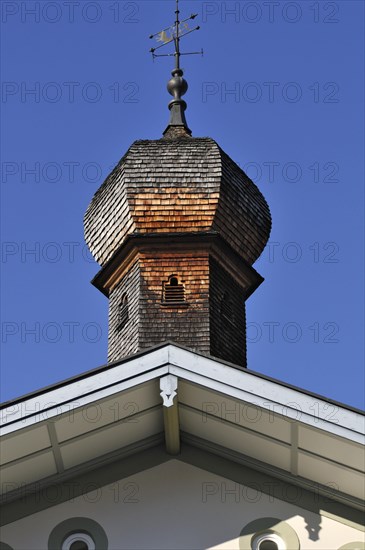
(168,387)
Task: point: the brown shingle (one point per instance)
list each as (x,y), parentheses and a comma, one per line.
(177,185)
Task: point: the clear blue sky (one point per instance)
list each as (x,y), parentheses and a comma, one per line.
(294,121)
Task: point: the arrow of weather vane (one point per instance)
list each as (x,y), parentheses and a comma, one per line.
(174,34)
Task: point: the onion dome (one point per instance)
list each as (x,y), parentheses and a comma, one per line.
(178,185)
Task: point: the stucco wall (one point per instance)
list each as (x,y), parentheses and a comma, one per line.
(178,506)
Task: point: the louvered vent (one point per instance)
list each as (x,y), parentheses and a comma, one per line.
(173,291)
(123,314)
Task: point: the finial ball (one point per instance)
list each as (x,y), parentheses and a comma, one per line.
(177,86)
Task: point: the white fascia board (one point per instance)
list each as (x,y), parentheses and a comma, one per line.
(209,373)
(82,392)
(270,395)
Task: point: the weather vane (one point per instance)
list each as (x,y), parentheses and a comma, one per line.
(174,34)
(177,86)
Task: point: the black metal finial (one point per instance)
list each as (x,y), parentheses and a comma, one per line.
(177,86)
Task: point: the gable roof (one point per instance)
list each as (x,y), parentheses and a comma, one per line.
(250,419)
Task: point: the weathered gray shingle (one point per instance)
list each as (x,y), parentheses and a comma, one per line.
(177,185)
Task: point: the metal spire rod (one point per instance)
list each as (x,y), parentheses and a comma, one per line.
(177,39)
(177,85)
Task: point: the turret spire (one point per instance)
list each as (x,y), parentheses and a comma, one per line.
(177,86)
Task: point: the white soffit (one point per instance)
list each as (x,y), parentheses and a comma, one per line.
(116,408)
(28,470)
(35,439)
(246,415)
(328,447)
(334,475)
(272,396)
(111,438)
(232,437)
(104,412)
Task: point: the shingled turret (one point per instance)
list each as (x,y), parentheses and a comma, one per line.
(176,228)
(177,213)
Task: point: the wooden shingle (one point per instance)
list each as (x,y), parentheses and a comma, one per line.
(177,185)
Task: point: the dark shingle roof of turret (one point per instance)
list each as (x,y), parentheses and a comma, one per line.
(177,185)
